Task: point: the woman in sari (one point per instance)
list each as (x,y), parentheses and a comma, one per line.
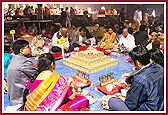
(109,40)
(21,31)
(50,91)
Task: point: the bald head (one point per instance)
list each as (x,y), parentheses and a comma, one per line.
(125,32)
(63,31)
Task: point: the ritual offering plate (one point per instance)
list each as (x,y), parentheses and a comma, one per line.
(78,84)
(111,88)
(108,85)
(80,80)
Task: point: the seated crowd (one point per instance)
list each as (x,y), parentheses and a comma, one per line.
(44,90)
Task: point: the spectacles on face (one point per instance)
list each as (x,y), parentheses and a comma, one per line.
(125,32)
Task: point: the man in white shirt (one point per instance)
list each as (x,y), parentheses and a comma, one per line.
(138,18)
(127,41)
(58,35)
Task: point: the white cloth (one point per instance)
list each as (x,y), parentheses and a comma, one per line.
(55,40)
(146,17)
(138,16)
(80,39)
(93,40)
(34,43)
(149,46)
(128,42)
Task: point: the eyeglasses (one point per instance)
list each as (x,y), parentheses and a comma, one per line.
(125,32)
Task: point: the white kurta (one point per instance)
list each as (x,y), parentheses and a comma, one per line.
(55,40)
(138,16)
(128,42)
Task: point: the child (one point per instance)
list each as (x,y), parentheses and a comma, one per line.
(20,68)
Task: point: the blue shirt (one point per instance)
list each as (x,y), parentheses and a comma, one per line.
(7,59)
(147,89)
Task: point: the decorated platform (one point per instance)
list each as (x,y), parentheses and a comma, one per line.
(80,80)
(90,61)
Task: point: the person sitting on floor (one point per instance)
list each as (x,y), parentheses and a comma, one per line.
(100,33)
(127,41)
(37,45)
(32,30)
(157,56)
(109,40)
(50,30)
(54,90)
(152,41)
(19,69)
(79,38)
(74,28)
(147,85)
(58,35)
(141,36)
(21,31)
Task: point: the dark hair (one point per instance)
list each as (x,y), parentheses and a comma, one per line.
(66,8)
(156,44)
(38,33)
(19,44)
(141,54)
(7,48)
(44,63)
(130,30)
(120,31)
(157,56)
(142,27)
(110,27)
(82,29)
(62,9)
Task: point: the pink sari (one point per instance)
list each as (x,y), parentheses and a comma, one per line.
(56,96)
